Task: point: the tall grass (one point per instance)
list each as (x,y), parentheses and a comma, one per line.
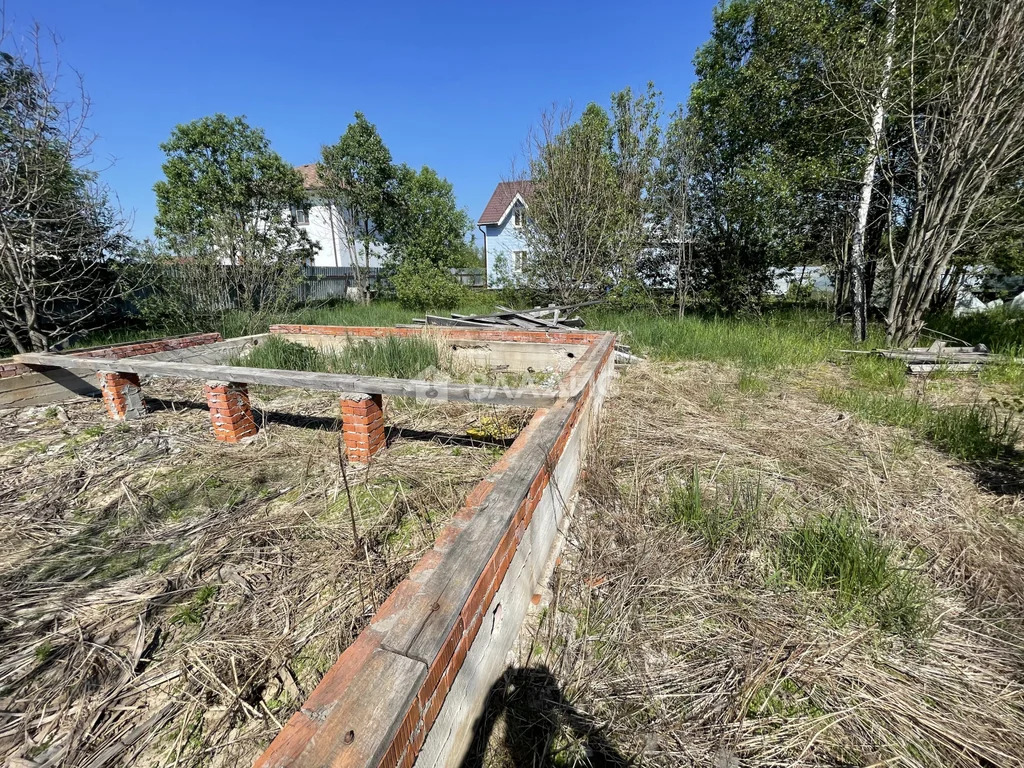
(779,339)
(837,555)
(402,357)
(731,513)
(279,354)
(975,432)
(391,356)
(1001,329)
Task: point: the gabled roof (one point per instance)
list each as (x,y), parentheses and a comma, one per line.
(500,204)
(309,178)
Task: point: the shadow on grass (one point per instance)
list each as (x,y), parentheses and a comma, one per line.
(1004,477)
(541,727)
(333,424)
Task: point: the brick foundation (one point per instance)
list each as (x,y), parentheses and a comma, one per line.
(122,395)
(230,412)
(362,417)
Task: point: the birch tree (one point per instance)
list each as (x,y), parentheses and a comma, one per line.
(872,153)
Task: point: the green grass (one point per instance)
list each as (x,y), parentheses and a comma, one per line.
(395,356)
(194,611)
(837,555)
(1001,329)
(732,513)
(788,338)
(278,353)
(750,383)
(975,432)
(880,373)
(391,356)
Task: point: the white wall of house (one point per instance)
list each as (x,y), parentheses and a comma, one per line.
(328,229)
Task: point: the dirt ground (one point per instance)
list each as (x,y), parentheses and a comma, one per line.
(169,600)
(682,630)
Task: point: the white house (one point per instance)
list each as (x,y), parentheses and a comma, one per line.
(502,224)
(329,227)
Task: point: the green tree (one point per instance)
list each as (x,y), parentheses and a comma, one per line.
(427,224)
(770,153)
(359,179)
(227,238)
(226,192)
(586,220)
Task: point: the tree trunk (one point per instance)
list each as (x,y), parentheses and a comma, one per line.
(858,285)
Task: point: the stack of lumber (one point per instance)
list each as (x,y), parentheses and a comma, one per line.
(941,356)
(550,318)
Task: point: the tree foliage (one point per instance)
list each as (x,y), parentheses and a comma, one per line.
(427,224)
(227,240)
(360,181)
(589,199)
(782,121)
(59,237)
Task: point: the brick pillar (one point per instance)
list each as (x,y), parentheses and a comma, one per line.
(122,395)
(229,411)
(362,417)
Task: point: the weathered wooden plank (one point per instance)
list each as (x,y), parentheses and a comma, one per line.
(329,382)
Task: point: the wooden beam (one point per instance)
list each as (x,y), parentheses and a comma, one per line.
(329,382)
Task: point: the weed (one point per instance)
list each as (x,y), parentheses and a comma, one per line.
(402,357)
(835,554)
(974,433)
(43,651)
(392,356)
(1000,329)
(732,514)
(277,353)
(716,398)
(50,413)
(779,339)
(193,612)
(751,384)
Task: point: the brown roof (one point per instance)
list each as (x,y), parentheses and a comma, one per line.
(503,195)
(309,178)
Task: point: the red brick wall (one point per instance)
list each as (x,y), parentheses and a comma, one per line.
(306,742)
(456,334)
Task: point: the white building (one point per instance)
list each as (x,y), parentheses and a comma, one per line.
(329,228)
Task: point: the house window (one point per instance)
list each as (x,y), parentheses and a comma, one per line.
(300,216)
(520,260)
(518,218)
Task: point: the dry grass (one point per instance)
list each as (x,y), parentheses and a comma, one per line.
(167,600)
(669,646)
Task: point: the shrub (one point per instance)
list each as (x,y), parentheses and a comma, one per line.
(423,286)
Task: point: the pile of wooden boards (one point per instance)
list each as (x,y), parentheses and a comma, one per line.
(941,356)
(550,318)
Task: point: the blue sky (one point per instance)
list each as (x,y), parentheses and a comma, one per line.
(452,85)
